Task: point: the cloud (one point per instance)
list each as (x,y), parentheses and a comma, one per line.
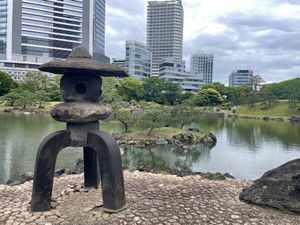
(261,35)
(125,20)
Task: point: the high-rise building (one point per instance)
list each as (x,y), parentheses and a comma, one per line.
(3,25)
(164,31)
(202,64)
(36,31)
(99,26)
(138,60)
(173,70)
(240,77)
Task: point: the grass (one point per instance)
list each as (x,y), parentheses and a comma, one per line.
(279,109)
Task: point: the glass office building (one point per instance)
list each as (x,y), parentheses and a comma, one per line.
(138,60)
(99,26)
(38,31)
(49,28)
(3,25)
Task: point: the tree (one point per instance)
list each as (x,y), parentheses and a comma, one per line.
(153,90)
(125,116)
(183,114)
(155,116)
(217,86)
(285,90)
(161,91)
(6,83)
(232,95)
(54,88)
(247,95)
(12,97)
(109,89)
(187,98)
(256,82)
(131,89)
(26,97)
(208,97)
(171,93)
(38,85)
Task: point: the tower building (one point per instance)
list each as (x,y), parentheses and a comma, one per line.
(164,31)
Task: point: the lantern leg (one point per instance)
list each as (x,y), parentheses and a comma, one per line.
(111,172)
(91,168)
(45,167)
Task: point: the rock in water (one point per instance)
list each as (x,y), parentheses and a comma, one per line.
(278,188)
(79,167)
(210,140)
(11,182)
(26,177)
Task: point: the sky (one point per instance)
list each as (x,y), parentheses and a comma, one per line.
(262,35)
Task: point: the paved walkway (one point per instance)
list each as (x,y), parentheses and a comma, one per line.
(152,199)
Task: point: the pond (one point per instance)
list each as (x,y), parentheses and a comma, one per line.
(245,148)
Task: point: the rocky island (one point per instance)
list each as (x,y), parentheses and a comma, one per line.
(165,136)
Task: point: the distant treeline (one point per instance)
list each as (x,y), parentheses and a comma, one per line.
(36,89)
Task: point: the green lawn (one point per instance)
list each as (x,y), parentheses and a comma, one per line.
(279,109)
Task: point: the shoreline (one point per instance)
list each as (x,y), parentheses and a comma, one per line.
(264,118)
(79,169)
(225,115)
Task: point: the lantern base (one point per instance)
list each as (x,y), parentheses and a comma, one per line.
(102,158)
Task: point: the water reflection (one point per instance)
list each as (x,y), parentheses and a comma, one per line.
(164,158)
(245,148)
(254,133)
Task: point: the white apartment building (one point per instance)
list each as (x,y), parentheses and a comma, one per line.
(240,77)
(164,31)
(202,64)
(173,70)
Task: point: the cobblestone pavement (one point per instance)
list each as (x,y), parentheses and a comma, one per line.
(152,199)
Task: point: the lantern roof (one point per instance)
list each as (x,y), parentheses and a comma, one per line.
(80,61)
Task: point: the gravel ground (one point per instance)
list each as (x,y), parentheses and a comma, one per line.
(151,199)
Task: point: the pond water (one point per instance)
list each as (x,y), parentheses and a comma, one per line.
(245,148)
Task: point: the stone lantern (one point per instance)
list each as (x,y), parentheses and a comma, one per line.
(80,89)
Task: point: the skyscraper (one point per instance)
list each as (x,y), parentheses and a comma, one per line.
(202,65)
(138,60)
(3,24)
(164,31)
(37,31)
(99,26)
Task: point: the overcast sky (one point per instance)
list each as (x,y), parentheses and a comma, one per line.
(263,35)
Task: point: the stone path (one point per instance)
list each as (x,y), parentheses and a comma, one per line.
(152,199)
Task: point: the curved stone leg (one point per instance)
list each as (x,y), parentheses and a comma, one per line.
(91,168)
(112,180)
(44,169)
